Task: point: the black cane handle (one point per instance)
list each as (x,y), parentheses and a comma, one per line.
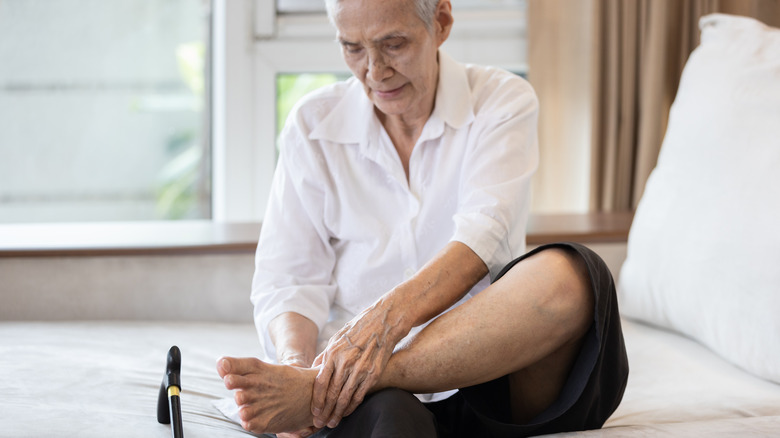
(168,400)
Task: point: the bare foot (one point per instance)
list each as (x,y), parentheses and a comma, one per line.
(271,398)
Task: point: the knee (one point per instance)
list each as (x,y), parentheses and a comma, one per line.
(565,294)
(570,271)
(574,293)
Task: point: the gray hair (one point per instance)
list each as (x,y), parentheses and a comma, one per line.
(425,9)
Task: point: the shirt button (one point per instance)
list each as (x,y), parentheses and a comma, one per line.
(408,273)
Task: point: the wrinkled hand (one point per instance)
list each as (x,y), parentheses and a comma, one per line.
(352,363)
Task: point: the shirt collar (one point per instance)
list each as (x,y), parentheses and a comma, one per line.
(352,118)
(349,120)
(453,95)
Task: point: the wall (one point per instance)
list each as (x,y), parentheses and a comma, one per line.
(172,287)
(175,288)
(562,183)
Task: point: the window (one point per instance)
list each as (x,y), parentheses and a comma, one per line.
(105,110)
(147,110)
(290,87)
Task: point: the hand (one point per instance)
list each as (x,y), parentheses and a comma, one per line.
(352,363)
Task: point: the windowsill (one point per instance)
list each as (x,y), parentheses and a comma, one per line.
(581,228)
(127,238)
(205,237)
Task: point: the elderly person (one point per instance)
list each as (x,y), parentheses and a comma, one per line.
(390,260)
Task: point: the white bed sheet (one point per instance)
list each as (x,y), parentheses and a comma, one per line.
(89,379)
(95,379)
(673,379)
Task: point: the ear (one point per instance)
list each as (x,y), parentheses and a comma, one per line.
(443,21)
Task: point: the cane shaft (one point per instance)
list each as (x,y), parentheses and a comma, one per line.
(174,403)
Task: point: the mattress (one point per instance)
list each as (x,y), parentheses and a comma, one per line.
(101,378)
(677,387)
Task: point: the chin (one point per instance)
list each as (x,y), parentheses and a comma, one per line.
(390,108)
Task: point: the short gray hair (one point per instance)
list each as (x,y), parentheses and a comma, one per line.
(425,9)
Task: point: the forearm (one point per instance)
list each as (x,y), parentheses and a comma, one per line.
(356,356)
(438,285)
(295,339)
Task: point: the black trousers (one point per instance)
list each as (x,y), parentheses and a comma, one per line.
(390,413)
(591,393)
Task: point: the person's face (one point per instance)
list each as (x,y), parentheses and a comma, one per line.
(390,50)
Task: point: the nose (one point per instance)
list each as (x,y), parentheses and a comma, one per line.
(378,69)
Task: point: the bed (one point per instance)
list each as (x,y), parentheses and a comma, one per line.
(101,378)
(698,277)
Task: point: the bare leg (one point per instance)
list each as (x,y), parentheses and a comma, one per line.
(529,325)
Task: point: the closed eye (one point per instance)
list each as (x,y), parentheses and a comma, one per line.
(351,48)
(395,43)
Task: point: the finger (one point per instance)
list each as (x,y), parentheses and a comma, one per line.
(319,391)
(332,394)
(358,398)
(347,397)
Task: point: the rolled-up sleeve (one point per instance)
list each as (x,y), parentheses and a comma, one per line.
(294,261)
(496,176)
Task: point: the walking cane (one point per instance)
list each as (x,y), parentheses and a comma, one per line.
(168,402)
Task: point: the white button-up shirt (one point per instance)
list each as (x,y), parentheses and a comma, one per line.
(344,226)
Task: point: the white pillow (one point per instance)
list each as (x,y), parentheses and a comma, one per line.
(704,248)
